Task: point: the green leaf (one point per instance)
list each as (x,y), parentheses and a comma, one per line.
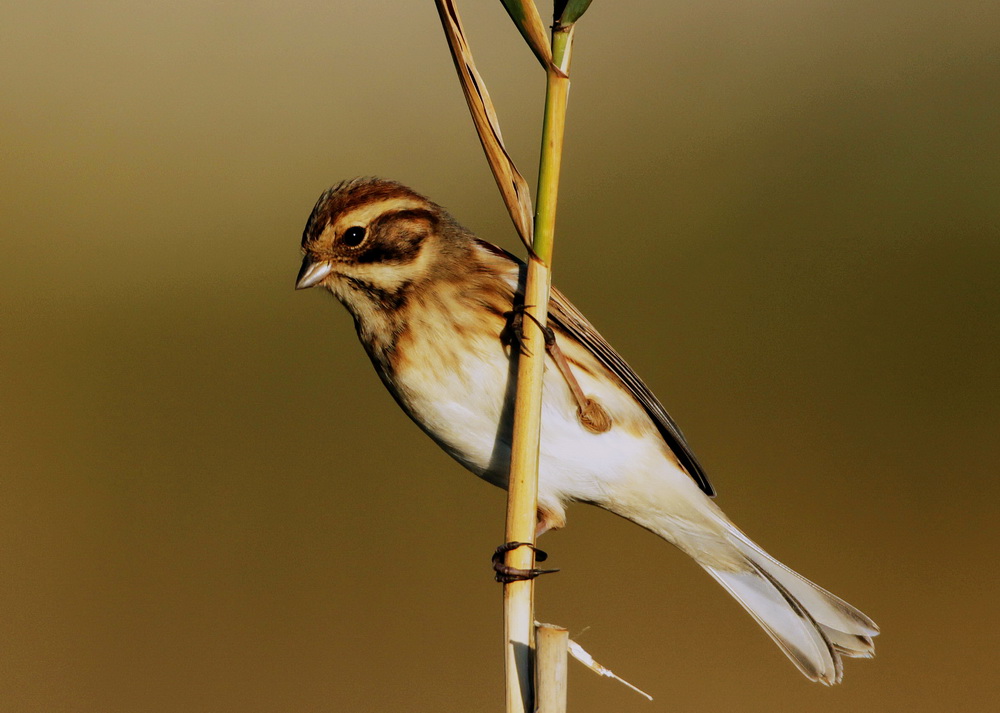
(569,11)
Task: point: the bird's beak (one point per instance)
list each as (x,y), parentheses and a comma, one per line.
(312,273)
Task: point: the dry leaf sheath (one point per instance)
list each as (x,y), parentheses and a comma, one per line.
(513,187)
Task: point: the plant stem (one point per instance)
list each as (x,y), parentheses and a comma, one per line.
(552,654)
(553,130)
(522,499)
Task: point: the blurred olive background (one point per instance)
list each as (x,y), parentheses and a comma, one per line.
(784,214)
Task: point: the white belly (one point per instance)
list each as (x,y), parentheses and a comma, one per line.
(466,406)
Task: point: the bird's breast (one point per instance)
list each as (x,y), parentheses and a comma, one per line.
(456,388)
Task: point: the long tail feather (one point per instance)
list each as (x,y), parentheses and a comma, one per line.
(785,621)
(813,627)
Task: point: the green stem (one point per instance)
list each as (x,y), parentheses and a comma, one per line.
(522,498)
(553,130)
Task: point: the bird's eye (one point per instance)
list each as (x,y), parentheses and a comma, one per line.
(353,237)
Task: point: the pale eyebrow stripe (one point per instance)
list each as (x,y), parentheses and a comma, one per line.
(362,215)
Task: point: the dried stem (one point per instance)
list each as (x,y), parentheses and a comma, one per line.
(538,236)
(522,499)
(551,670)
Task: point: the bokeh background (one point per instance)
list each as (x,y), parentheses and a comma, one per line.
(783,213)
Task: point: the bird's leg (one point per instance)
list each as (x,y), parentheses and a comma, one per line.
(507,574)
(547,519)
(592,415)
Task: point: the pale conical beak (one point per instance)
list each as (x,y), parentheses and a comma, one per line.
(312,273)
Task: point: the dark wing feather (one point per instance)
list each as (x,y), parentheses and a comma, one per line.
(565,315)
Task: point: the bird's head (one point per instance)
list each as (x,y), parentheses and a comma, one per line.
(370,241)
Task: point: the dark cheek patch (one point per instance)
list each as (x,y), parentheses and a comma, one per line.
(396,237)
(402,248)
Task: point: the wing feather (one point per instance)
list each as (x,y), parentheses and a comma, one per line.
(565,315)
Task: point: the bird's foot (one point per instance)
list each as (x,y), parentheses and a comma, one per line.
(513,332)
(593,416)
(507,574)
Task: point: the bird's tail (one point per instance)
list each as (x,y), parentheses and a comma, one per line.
(813,627)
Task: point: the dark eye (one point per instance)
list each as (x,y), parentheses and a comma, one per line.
(353,237)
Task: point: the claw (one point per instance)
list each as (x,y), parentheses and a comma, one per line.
(507,574)
(513,331)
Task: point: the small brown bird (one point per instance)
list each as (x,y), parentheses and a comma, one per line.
(432,305)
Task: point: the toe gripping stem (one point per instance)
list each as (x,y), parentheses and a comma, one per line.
(507,574)
(593,416)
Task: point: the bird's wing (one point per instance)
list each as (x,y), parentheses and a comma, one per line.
(569,318)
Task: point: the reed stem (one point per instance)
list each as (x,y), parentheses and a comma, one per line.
(522,499)
(551,670)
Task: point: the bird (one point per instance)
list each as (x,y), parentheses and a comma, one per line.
(432,305)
